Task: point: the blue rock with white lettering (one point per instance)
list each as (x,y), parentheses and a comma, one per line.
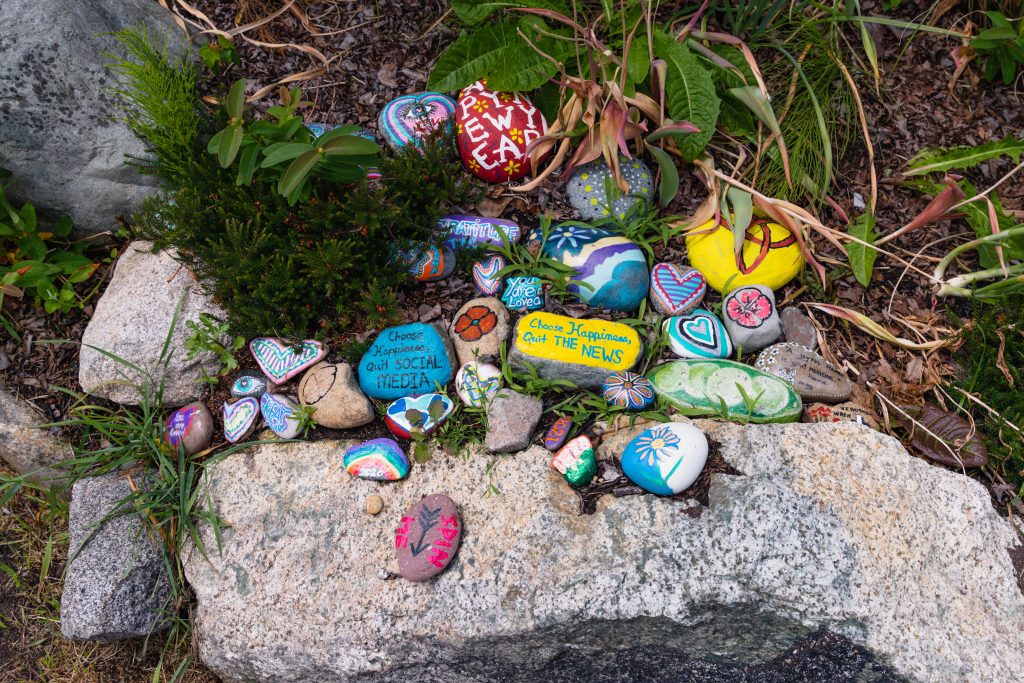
(407,360)
(523,293)
(698,334)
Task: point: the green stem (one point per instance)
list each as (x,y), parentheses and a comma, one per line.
(940,270)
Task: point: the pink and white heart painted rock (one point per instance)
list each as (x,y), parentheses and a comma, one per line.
(485,275)
(280,362)
(240,418)
(676,289)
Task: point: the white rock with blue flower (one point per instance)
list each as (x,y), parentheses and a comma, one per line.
(666,459)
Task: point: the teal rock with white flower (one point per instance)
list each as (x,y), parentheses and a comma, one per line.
(666,459)
(592,190)
(707,387)
(698,334)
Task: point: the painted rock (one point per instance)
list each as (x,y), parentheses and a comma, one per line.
(813,377)
(476,231)
(699,387)
(477,383)
(240,418)
(613,267)
(771,255)
(584,352)
(479,328)
(486,275)
(843,412)
(798,328)
(698,334)
(279,412)
(250,383)
(377,459)
(494,130)
(523,293)
(575,461)
(429,263)
(332,389)
(666,459)
(592,190)
(407,360)
(318,129)
(410,119)
(189,427)
(280,361)
(675,289)
(751,318)
(558,433)
(628,390)
(418,414)
(428,537)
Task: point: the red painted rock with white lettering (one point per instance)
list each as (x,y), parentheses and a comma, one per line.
(494,129)
(428,537)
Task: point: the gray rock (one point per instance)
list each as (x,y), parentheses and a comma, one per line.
(830,525)
(116,583)
(511,419)
(588,194)
(332,389)
(61,137)
(131,321)
(751,318)
(798,328)
(29,450)
(813,377)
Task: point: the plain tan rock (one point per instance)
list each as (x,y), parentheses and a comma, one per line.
(332,389)
(29,450)
(479,328)
(374,504)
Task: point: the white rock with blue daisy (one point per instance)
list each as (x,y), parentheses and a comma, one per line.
(666,459)
(592,190)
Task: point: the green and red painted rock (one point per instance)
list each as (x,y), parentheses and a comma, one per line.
(575,460)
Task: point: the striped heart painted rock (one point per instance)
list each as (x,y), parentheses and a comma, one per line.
(485,275)
(240,418)
(676,289)
(411,118)
(698,334)
(280,362)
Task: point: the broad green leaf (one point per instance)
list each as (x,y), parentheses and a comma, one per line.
(742,212)
(862,257)
(247,165)
(284,152)
(475,11)
(668,184)
(230,143)
(690,93)
(292,179)
(639,59)
(349,145)
(235,99)
(214,144)
(946,159)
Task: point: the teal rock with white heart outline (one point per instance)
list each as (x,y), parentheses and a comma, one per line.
(698,334)
(705,387)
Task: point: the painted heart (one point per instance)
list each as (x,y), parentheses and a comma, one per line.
(239,418)
(485,275)
(698,334)
(702,331)
(418,414)
(411,118)
(280,362)
(677,289)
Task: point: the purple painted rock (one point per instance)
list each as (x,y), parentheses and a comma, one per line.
(190,427)
(486,275)
(428,537)
(475,231)
(556,436)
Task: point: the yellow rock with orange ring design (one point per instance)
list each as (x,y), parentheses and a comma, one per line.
(771,255)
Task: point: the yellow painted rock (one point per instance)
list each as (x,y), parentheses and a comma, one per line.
(771,255)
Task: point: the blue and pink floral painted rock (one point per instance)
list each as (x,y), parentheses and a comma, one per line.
(250,383)
(377,459)
(575,461)
(190,428)
(428,537)
(613,267)
(675,289)
(666,459)
(592,190)
(418,414)
(240,418)
(697,334)
(407,360)
(628,390)
(410,119)
(281,361)
(476,231)
(279,412)
(486,275)
(523,293)
(557,433)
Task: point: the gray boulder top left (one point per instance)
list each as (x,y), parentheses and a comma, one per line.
(132,320)
(58,132)
(116,585)
(29,450)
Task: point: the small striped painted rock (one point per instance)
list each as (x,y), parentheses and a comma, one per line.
(697,334)
(240,418)
(377,459)
(486,277)
(281,361)
(676,290)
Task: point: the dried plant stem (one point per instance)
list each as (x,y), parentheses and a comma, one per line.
(867,134)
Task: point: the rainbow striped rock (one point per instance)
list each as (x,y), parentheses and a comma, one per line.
(485,275)
(676,290)
(378,459)
(239,418)
(280,362)
(411,118)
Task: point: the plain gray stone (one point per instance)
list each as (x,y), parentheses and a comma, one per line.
(29,450)
(511,419)
(58,125)
(116,583)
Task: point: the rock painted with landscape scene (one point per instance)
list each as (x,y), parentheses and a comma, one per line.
(575,461)
(418,414)
(477,231)
(494,130)
(798,328)
(428,537)
(771,255)
(842,412)
(429,262)
(675,289)
(697,334)
(582,351)
(189,427)
(592,190)
(486,275)
(477,383)
(240,418)
(407,360)
(813,377)
(410,119)
(250,383)
(280,361)
(701,387)
(751,318)
(279,412)
(479,328)
(523,293)
(628,390)
(377,459)
(557,433)
(332,389)
(511,419)
(612,267)
(666,459)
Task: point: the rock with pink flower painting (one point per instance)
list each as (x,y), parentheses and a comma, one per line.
(666,459)
(494,130)
(751,318)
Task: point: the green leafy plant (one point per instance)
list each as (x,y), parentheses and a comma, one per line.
(1002,46)
(210,335)
(528,259)
(219,53)
(305,417)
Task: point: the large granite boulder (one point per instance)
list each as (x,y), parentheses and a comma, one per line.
(24,446)
(58,129)
(132,320)
(830,526)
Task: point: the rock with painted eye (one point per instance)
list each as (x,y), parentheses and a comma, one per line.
(249,383)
